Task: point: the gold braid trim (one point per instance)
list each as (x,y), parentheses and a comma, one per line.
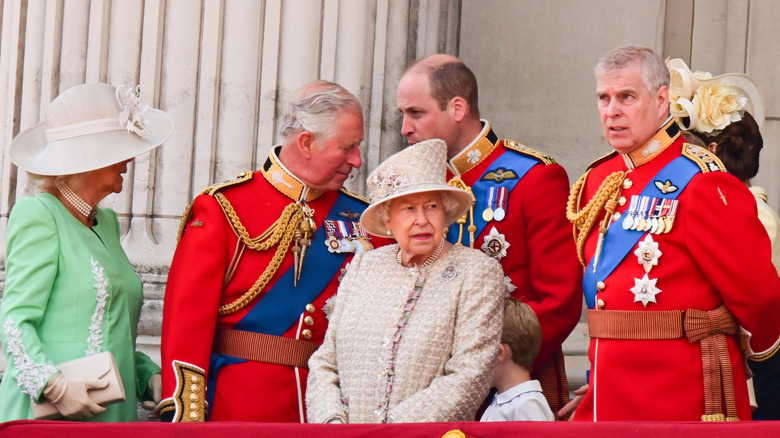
(584,220)
(185,217)
(282,232)
(457,182)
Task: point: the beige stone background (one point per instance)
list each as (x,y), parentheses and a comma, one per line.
(223,68)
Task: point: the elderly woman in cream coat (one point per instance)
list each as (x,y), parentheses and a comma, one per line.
(414,332)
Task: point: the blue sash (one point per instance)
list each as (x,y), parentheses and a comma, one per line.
(619,242)
(281,306)
(518,163)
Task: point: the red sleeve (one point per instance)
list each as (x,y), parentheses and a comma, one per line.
(552,285)
(193,292)
(733,251)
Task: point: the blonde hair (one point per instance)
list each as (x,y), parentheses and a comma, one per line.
(522,332)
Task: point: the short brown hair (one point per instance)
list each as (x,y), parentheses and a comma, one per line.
(522,332)
(449,77)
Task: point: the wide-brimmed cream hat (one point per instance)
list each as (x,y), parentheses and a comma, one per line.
(89,127)
(419,168)
(707,104)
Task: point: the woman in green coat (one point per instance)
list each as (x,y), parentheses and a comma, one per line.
(70,290)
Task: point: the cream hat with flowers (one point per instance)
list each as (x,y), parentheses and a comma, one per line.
(419,168)
(89,127)
(704,103)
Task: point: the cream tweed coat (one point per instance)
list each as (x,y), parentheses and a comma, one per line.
(440,367)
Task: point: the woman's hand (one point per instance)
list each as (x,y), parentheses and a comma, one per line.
(571,406)
(155,389)
(69,395)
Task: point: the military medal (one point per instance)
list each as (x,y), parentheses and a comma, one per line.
(628,220)
(669,219)
(647,253)
(641,223)
(495,245)
(487,215)
(652,222)
(501,203)
(360,239)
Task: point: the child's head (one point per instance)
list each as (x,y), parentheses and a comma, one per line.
(522,332)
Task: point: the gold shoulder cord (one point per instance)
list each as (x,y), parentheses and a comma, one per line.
(282,232)
(457,182)
(584,220)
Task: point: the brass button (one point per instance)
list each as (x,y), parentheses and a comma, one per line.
(194,397)
(627,183)
(306,334)
(194,406)
(195,388)
(601,304)
(601,286)
(622,201)
(308,320)
(616,216)
(194,415)
(310,308)
(194,379)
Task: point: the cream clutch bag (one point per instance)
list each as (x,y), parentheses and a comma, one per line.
(98,366)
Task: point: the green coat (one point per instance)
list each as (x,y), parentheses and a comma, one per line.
(56,271)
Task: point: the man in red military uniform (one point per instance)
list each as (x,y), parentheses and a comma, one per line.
(520,198)
(670,281)
(246,302)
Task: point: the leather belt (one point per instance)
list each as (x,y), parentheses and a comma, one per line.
(261,347)
(707,328)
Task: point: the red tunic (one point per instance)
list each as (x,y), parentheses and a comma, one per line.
(541,260)
(716,253)
(248,391)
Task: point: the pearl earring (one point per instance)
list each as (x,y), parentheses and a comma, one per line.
(389,233)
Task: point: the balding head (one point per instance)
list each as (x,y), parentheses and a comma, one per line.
(449,77)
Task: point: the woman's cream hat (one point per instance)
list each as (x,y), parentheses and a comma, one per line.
(418,168)
(89,127)
(704,103)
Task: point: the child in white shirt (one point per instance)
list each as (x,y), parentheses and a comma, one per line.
(518,398)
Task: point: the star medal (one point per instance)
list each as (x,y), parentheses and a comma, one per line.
(487,215)
(338,237)
(495,245)
(500,212)
(630,217)
(647,253)
(645,290)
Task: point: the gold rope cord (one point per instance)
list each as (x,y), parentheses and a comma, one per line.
(584,220)
(281,231)
(457,182)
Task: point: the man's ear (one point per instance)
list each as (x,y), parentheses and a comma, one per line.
(662,97)
(305,142)
(713,147)
(458,108)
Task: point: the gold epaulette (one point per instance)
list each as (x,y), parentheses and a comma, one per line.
(241,178)
(533,153)
(706,160)
(354,196)
(602,159)
(211,190)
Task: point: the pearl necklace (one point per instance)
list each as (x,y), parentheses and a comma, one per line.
(79,204)
(431,259)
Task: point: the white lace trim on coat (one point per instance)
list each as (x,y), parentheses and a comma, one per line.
(95,339)
(31,376)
